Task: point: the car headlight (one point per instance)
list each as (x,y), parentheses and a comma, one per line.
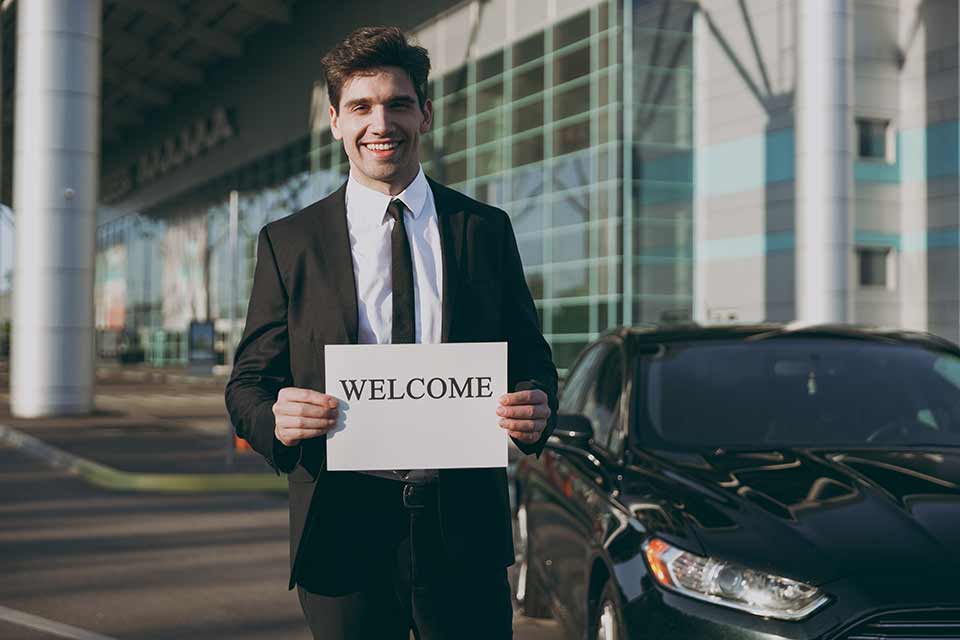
(729,584)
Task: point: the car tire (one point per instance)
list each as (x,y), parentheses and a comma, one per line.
(529,595)
(607,622)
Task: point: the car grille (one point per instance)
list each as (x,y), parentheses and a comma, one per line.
(927,624)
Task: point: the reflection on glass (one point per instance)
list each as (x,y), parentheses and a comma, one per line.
(455,139)
(528,117)
(671,50)
(569,245)
(531,250)
(571,137)
(572,30)
(527,217)
(661,87)
(666,126)
(609,238)
(489,128)
(528,82)
(571,172)
(490,97)
(490,66)
(570,66)
(488,161)
(570,209)
(570,318)
(570,102)
(565,353)
(528,49)
(492,190)
(455,109)
(527,183)
(455,81)
(535,283)
(455,171)
(528,150)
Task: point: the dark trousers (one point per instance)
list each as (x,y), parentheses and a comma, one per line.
(416,588)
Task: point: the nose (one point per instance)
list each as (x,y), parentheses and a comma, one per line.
(379,120)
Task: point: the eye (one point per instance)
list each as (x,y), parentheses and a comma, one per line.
(361,108)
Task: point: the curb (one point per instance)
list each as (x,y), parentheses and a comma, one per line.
(109,478)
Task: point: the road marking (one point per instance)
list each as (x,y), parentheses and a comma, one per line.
(48,626)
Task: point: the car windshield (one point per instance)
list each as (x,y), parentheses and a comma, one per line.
(792,391)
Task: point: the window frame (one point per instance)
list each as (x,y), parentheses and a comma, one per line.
(889,156)
(612,344)
(889,262)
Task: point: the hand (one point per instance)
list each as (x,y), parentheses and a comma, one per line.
(524,414)
(303,413)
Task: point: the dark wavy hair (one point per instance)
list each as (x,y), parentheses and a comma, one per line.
(371,48)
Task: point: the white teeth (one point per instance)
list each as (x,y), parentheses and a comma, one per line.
(382,147)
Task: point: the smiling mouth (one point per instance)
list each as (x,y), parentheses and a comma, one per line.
(381,146)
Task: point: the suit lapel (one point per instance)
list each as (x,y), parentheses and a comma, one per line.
(450,218)
(334,242)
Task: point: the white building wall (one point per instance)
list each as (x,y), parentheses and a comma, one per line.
(877,208)
(745,121)
(929,268)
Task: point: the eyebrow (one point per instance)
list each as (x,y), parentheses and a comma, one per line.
(392,99)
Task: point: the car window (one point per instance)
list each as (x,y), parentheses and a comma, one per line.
(572,399)
(799,391)
(602,399)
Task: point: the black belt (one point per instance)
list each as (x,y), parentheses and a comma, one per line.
(419,495)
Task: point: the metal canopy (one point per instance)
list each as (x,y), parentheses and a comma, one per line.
(152,50)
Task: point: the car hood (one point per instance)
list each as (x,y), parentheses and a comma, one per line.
(821,514)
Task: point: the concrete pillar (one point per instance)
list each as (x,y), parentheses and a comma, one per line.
(824,192)
(701,126)
(56,166)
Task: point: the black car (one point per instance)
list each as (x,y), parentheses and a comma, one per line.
(766,481)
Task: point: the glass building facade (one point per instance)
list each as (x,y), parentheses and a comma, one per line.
(655,156)
(601,207)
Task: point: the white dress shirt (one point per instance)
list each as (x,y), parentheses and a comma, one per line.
(370,227)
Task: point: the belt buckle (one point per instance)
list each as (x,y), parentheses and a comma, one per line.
(412,497)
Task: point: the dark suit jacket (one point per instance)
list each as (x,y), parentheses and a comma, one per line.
(304,297)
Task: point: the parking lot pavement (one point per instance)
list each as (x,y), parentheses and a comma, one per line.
(116,565)
(131,565)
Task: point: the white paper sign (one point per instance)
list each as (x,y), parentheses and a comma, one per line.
(416,406)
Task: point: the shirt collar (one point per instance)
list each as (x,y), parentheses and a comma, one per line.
(362,201)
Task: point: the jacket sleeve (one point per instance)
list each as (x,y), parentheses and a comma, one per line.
(529,359)
(261,366)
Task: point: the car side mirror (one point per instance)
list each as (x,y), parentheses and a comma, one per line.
(573,429)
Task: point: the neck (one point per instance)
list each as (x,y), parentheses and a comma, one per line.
(389,187)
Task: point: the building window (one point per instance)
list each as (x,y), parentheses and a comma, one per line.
(875,266)
(875,140)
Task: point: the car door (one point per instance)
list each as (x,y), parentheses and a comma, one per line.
(585,482)
(544,492)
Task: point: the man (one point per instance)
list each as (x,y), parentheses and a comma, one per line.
(390,257)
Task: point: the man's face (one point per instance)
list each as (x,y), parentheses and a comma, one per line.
(380,122)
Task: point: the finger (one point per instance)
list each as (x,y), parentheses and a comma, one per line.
(525,436)
(525,411)
(303,409)
(522,425)
(530,396)
(297,394)
(292,436)
(305,424)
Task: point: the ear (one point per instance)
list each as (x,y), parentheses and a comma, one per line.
(334,123)
(427,116)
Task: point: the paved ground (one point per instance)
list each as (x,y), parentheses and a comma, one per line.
(145,565)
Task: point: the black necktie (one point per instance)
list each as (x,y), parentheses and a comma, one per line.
(401,271)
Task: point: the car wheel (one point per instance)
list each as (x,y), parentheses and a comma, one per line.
(530,598)
(607,621)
